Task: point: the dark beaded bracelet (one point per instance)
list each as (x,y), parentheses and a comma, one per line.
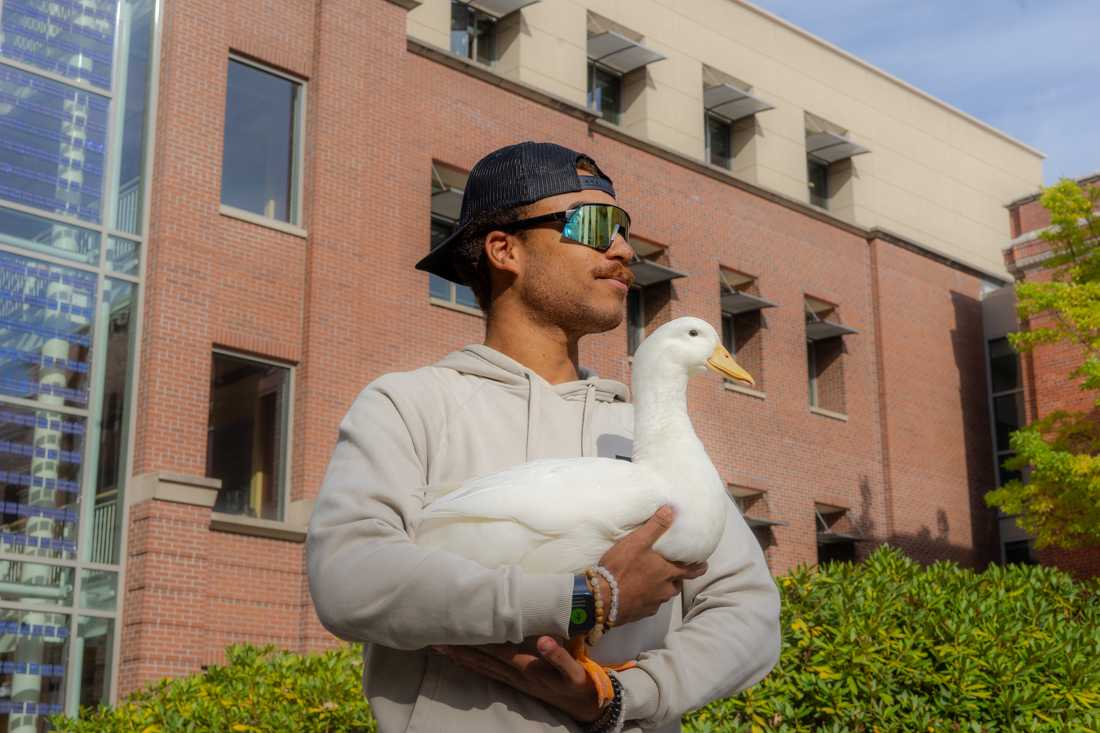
(610,719)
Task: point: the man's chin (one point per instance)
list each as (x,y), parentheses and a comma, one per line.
(599,320)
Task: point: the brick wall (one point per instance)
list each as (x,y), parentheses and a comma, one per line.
(345,305)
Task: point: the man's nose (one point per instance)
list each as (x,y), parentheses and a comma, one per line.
(620,249)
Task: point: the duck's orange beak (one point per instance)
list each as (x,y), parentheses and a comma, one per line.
(722,362)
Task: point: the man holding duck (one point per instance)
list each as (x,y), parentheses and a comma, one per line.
(455,645)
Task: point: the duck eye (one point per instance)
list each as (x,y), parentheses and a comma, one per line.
(693,332)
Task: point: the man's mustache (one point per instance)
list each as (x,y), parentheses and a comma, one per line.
(619,273)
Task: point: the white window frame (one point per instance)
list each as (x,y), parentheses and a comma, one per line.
(297,158)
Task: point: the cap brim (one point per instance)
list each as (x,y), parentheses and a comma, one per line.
(440,261)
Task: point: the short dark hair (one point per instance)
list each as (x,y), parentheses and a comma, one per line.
(469,258)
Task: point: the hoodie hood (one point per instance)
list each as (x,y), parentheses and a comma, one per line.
(479,360)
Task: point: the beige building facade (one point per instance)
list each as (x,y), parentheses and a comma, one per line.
(883,154)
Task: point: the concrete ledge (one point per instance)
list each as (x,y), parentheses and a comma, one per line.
(733,387)
(829,413)
(269,529)
(280,226)
(407,4)
(484,73)
(294,529)
(175,487)
(457,307)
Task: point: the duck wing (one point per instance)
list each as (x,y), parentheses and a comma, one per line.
(550,515)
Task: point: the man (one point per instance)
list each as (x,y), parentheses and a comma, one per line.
(454,646)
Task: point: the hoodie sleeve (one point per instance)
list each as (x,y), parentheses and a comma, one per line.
(370,583)
(729,641)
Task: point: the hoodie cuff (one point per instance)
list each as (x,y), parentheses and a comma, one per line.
(545,604)
(641,697)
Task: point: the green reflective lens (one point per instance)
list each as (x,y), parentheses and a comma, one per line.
(596,225)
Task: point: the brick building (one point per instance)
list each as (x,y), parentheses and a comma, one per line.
(1030,386)
(209,216)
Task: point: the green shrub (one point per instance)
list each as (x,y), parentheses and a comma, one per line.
(887,645)
(891,645)
(260,690)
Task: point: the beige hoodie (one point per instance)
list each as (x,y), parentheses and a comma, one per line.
(415,435)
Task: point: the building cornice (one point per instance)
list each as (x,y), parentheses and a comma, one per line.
(600,126)
(1086,180)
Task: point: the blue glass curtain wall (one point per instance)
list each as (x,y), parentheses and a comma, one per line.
(75,104)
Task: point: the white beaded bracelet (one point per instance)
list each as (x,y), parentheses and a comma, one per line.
(613,612)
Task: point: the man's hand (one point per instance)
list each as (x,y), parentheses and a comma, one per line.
(549,674)
(646,580)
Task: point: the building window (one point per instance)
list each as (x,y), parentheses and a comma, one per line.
(829,170)
(818,175)
(743,321)
(651,291)
(1007,394)
(1018,552)
(837,534)
(447,187)
(472,33)
(605,91)
(719,142)
(261,160)
(635,319)
(825,355)
(247,439)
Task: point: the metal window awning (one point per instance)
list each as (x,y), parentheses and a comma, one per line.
(818,330)
(755,522)
(447,203)
(828,147)
(619,53)
(825,534)
(648,273)
(499,8)
(732,103)
(829,538)
(735,302)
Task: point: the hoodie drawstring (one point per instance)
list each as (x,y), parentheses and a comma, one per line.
(586,416)
(532,409)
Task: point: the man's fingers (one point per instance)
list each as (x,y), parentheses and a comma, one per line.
(689,572)
(559,658)
(655,526)
(484,664)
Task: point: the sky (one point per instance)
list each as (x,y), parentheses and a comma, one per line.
(1029,68)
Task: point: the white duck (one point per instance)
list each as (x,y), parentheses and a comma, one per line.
(560,515)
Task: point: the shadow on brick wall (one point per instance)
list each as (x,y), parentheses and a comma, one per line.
(941,542)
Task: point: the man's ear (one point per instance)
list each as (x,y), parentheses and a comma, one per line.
(503,251)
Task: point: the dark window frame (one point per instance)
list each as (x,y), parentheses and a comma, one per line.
(281,444)
(713,156)
(635,319)
(595,103)
(296,154)
(817,175)
(480,32)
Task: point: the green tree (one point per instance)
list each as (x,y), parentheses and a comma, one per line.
(1060,502)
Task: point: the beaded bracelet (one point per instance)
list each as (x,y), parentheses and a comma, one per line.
(613,612)
(596,632)
(611,720)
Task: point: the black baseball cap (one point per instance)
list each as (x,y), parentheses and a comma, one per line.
(513,176)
